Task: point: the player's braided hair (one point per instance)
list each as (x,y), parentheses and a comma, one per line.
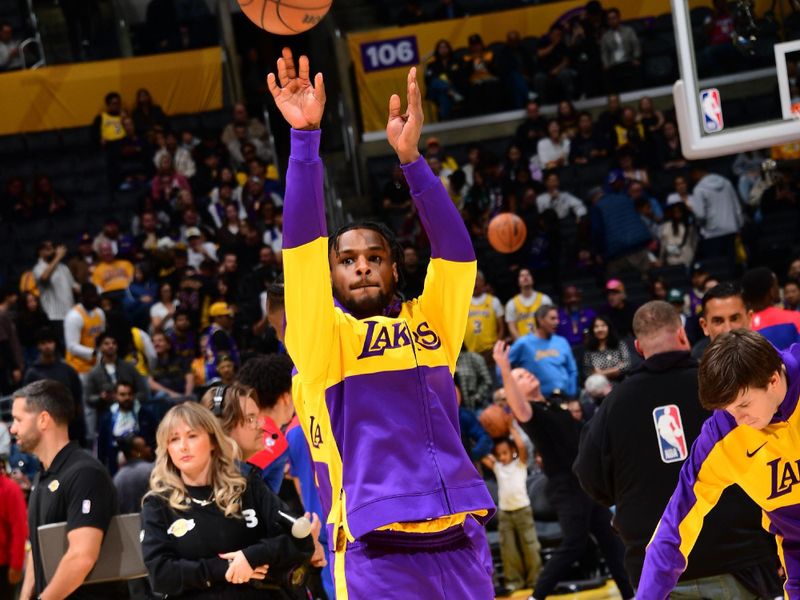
(383,230)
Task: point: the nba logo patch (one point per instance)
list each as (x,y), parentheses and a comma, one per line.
(669,432)
(712,110)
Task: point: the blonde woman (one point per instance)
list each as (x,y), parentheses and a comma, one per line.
(207,530)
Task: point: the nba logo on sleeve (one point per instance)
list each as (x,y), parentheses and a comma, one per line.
(669,432)
(712,110)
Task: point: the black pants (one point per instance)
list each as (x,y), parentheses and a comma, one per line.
(579,516)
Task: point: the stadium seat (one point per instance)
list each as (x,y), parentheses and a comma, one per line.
(44,141)
(215,121)
(12,145)
(179,123)
(663,24)
(77,137)
(659,70)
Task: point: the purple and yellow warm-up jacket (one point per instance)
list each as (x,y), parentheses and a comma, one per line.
(765,463)
(375,396)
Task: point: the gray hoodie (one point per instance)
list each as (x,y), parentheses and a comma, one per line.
(717,207)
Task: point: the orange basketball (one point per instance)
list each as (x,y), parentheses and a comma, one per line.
(285,17)
(495,421)
(507,233)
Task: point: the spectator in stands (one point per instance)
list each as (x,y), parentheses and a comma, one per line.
(605,353)
(630,134)
(411,13)
(414,272)
(12,358)
(107,129)
(718,211)
(444,80)
(520,310)
(133,478)
(553,150)
(162,313)
(14,195)
(238,147)
(677,236)
(573,320)
(111,274)
(619,236)
(30,318)
(147,115)
(722,310)
(747,167)
(129,164)
(255,128)
(229,235)
(109,234)
(82,264)
(474,438)
(120,420)
(199,249)
(555,79)
(13,532)
(609,119)
(531,130)
(761,294)
(167,182)
(475,379)
(171,376)
(562,202)
(584,56)
(547,355)
(181,157)
(396,198)
(10,54)
(587,145)
(631,172)
(55,282)
(668,148)
(791,295)
(621,52)
(718,56)
(682,195)
(485,324)
(82,324)
(183,338)
(637,192)
(480,72)
(618,310)
(649,116)
(218,340)
(516,68)
(48,201)
(448,9)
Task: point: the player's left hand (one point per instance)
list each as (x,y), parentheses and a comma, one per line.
(403,130)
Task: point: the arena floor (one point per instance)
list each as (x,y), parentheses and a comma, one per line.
(609,592)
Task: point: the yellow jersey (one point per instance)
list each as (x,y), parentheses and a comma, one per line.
(93,325)
(482,327)
(525,322)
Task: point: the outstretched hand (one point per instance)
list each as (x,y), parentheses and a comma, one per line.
(403,130)
(300,102)
(500,354)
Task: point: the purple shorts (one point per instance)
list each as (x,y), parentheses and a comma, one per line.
(395,566)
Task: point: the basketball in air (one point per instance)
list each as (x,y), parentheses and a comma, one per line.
(507,233)
(285,17)
(495,421)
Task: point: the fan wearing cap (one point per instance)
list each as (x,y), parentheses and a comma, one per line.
(83,263)
(618,310)
(218,340)
(199,249)
(675,298)
(434,149)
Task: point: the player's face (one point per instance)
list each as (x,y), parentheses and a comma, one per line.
(189,450)
(248,434)
(723,315)
(755,407)
(363,274)
(24,427)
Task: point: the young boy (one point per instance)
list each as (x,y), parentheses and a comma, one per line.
(521,562)
(750,440)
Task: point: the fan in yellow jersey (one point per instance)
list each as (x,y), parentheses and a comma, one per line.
(521,308)
(485,324)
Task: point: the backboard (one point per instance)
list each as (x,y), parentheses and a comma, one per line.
(735,91)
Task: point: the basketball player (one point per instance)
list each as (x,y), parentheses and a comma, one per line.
(751,440)
(521,308)
(374,390)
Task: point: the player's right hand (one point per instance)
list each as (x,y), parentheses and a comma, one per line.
(500,354)
(300,102)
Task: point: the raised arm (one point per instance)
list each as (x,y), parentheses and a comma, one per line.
(519,406)
(310,316)
(451,271)
(704,476)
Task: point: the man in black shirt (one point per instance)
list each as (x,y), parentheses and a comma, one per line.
(73,487)
(555,435)
(631,455)
(554,68)
(531,130)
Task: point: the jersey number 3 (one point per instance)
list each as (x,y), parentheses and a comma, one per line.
(250,518)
